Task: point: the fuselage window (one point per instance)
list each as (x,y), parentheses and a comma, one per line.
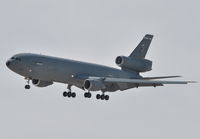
(39,63)
(19,59)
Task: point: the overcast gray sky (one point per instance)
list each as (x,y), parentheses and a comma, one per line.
(98,31)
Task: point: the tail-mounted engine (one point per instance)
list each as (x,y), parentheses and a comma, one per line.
(135,64)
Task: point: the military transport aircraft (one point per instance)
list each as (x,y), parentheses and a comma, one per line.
(44,70)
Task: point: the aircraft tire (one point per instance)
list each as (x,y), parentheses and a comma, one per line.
(65,94)
(87,95)
(27,87)
(102,97)
(73,94)
(98,96)
(69,94)
(106,97)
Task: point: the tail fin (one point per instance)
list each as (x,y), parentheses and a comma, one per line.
(141,50)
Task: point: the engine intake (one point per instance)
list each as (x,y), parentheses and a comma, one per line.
(40,83)
(135,64)
(94,85)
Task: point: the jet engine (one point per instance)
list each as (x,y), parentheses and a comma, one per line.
(94,85)
(40,83)
(135,64)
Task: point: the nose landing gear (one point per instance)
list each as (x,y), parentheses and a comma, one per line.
(28,86)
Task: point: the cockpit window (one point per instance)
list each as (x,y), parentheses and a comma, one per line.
(16,58)
(13,58)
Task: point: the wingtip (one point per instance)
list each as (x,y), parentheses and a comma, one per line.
(178,76)
(192,82)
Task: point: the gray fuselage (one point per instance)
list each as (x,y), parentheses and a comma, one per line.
(47,68)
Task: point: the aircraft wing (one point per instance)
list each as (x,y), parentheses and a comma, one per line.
(126,83)
(144,81)
(138,81)
(122,83)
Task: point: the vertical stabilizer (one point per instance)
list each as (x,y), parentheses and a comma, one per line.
(141,50)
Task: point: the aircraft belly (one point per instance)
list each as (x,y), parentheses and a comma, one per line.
(125,86)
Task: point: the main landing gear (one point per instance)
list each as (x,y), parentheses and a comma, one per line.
(102,96)
(98,96)
(87,95)
(69,93)
(28,86)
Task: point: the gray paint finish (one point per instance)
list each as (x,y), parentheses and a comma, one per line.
(43,70)
(82,30)
(47,68)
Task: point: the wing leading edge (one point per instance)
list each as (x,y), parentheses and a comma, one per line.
(138,81)
(144,81)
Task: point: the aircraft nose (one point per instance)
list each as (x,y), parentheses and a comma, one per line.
(8,63)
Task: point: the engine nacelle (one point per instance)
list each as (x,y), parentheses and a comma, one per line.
(94,85)
(135,64)
(40,83)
